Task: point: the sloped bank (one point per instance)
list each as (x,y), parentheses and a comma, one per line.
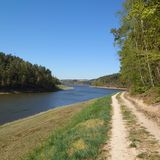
(82,137)
(22,136)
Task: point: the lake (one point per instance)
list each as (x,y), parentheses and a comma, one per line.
(16,106)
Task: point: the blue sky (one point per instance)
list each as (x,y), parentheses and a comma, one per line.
(70,37)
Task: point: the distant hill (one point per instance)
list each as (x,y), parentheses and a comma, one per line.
(104,81)
(75,82)
(19,75)
(108,81)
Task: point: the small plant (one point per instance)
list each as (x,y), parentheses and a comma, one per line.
(149,156)
(133,145)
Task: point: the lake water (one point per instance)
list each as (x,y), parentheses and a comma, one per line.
(16,106)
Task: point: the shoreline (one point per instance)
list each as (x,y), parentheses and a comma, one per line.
(65,87)
(59,88)
(26,91)
(30,132)
(123,89)
(34,116)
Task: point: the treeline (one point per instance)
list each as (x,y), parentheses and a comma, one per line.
(139,39)
(17,74)
(75,82)
(109,81)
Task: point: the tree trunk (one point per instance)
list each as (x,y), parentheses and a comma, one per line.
(148,64)
(158,71)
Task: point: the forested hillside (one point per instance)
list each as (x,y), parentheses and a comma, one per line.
(17,74)
(75,82)
(109,81)
(139,40)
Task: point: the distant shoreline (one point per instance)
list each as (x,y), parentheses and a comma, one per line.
(19,92)
(124,89)
(59,88)
(3,92)
(65,87)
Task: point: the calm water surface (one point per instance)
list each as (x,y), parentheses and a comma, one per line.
(16,106)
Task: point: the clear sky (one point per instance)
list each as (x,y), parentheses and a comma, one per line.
(70,37)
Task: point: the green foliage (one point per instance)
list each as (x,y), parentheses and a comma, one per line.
(75,82)
(81,138)
(152,95)
(139,90)
(17,74)
(139,40)
(109,81)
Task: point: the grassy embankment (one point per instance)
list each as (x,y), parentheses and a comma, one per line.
(75,131)
(22,136)
(81,138)
(64,87)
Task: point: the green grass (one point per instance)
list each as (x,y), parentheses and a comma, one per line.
(81,138)
(21,137)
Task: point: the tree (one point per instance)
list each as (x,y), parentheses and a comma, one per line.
(16,73)
(139,40)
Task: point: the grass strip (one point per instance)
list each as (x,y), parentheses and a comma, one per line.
(81,138)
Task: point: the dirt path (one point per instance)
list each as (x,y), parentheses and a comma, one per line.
(150,125)
(119,142)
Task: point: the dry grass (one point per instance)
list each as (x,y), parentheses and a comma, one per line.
(91,123)
(22,136)
(78,145)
